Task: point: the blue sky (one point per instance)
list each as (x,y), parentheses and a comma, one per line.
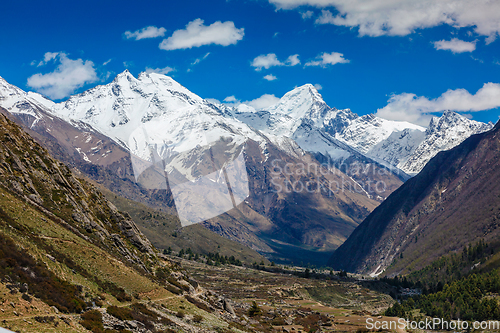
(401,59)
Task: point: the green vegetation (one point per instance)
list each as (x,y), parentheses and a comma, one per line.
(463,299)
(21,268)
(120,312)
(452,287)
(92,320)
(450,268)
(107,286)
(453,267)
(254,310)
(217,260)
(214,259)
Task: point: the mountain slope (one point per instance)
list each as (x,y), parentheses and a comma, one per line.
(65,225)
(164,231)
(452,202)
(50,186)
(71,262)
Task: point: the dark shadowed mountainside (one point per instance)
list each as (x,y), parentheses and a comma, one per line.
(452,202)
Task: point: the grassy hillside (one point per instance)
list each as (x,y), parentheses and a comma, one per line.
(71,262)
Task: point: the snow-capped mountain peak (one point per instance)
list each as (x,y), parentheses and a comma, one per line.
(16,100)
(452,120)
(174,118)
(365,132)
(304,102)
(9,93)
(443,133)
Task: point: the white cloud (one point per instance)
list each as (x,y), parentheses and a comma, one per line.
(307,14)
(292,60)
(48,57)
(318,86)
(231,99)
(197,34)
(418,109)
(270,60)
(326,18)
(106,62)
(455,45)
(477,59)
(406,107)
(164,70)
(326,59)
(262,102)
(402,17)
(107,75)
(66,78)
(266,61)
(198,60)
(148,32)
(270,77)
(291,4)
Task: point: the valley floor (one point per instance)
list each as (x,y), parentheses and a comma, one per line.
(287,303)
(291,303)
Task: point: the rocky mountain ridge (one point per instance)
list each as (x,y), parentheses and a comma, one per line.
(336,133)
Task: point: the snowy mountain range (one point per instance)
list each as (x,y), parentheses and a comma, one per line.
(177,120)
(116,132)
(303,116)
(150,140)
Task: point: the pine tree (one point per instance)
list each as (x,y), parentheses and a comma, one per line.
(254,310)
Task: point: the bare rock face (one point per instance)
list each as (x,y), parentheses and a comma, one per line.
(130,230)
(113,323)
(228,307)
